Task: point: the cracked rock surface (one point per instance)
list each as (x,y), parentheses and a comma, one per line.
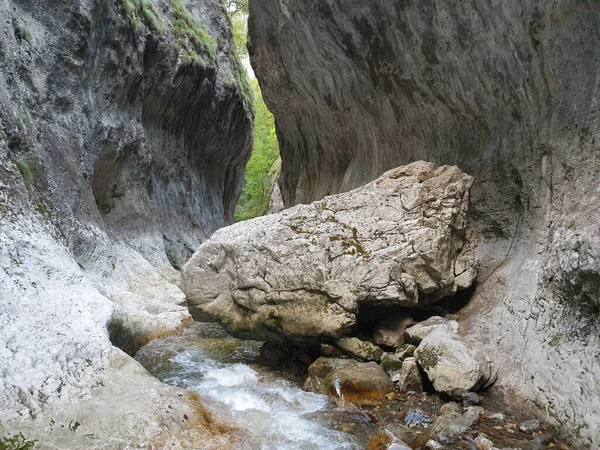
(301,275)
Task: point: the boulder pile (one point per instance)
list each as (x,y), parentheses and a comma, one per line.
(317,276)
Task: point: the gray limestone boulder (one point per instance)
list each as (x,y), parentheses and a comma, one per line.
(301,274)
(453,365)
(361,350)
(416,333)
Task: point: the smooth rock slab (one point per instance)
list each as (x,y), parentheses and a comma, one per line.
(301,274)
(453,365)
(347,380)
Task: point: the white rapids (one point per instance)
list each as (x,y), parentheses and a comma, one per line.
(275,412)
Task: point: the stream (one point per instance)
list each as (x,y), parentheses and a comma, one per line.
(274,413)
(268,405)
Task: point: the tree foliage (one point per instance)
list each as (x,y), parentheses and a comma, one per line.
(261,170)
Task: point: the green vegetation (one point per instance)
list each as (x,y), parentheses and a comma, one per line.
(17,442)
(21,33)
(237,14)
(140,11)
(264,164)
(191,37)
(26,171)
(428,357)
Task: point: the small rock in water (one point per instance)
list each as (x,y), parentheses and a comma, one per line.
(363,350)
(416,418)
(406,351)
(482,442)
(538,443)
(451,407)
(349,381)
(534,444)
(385,440)
(530,426)
(433,445)
(471,399)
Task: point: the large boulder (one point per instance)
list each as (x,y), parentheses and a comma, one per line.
(302,274)
(453,365)
(347,380)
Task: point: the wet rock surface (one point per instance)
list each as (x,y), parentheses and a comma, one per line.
(349,381)
(302,275)
(409,417)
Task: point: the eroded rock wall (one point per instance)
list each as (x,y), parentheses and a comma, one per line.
(121,149)
(509,92)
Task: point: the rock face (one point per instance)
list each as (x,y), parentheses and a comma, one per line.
(302,275)
(121,149)
(454,366)
(349,381)
(507,91)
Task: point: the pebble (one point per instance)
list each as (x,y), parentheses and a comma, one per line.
(471,399)
(530,426)
(433,445)
(482,442)
(451,407)
(495,416)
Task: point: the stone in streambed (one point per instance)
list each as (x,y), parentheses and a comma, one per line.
(451,407)
(349,381)
(530,426)
(362,350)
(453,365)
(408,378)
(386,440)
(451,425)
(482,442)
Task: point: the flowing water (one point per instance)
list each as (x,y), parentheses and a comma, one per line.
(270,407)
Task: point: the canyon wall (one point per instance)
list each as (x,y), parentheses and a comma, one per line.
(124,133)
(509,91)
